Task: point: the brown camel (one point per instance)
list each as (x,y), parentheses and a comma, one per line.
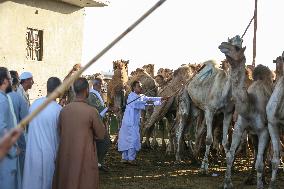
(150,69)
(180,77)
(69,94)
(116,88)
(166,73)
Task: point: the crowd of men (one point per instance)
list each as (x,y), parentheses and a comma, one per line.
(65,145)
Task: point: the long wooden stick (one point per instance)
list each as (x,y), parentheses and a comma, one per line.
(254,34)
(61,89)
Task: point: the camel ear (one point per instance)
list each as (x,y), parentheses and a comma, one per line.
(243,49)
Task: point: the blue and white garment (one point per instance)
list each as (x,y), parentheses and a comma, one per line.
(42,144)
(129,133)
(9,178)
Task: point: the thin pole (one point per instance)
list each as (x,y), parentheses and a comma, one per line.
(60,90)
(254,34)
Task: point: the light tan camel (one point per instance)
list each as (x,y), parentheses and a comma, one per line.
(249,103)
(275,117)
(209,91)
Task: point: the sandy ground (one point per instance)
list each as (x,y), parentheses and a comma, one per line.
(155,170)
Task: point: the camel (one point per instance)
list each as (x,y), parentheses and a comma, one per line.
(69,94)
(209,91)
(166,73)
(149,68)
(180,76)
(275,117)
(249,103)
(149,85)
(116,88)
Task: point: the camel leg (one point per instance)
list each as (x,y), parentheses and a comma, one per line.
(259,165)
(165,125)
(199,133)
(154,142)
(119,120)
(275,139)
(179,140)
(209,140)
(182,117)
(147,132)
(253,140)
(230,156)
(170,125)
(226,124)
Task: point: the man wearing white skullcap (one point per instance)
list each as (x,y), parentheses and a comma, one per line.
(26,83)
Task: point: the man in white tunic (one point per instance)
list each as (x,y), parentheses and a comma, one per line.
(42,143)
(26,83)
(129,134)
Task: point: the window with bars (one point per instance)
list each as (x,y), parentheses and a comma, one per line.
(34,43)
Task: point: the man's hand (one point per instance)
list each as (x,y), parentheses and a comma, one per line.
(8,140)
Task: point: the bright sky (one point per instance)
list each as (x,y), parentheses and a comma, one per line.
(180,32)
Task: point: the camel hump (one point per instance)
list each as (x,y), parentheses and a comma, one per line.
(262,72)
(211,63)
(210,69)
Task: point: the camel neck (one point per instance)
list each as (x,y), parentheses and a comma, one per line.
(239,91)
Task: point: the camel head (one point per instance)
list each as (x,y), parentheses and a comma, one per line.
(77,67)
(233,50)
(279,66)
(166,73)
(149,68)
(160,80)
(138,71)
(120,64)
(183,73)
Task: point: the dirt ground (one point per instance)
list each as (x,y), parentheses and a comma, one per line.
(155,170)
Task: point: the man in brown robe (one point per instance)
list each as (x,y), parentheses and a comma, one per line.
(79,124)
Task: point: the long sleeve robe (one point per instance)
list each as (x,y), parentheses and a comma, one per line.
(21,91)
(97,102)
(129,133)
(41,147)
(76,164)
(21,110)
(8,165)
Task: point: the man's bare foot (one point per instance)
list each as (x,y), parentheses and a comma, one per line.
(123,161)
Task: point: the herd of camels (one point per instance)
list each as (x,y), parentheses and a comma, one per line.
(213,109)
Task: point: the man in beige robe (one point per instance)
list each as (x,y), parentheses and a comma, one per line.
(79,124)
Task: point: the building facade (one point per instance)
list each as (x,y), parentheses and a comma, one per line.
(44,37)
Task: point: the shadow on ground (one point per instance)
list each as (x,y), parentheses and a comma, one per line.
(155,170)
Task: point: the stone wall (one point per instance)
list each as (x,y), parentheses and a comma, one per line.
(62,26)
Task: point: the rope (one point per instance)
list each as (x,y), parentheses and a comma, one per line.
(248,27)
